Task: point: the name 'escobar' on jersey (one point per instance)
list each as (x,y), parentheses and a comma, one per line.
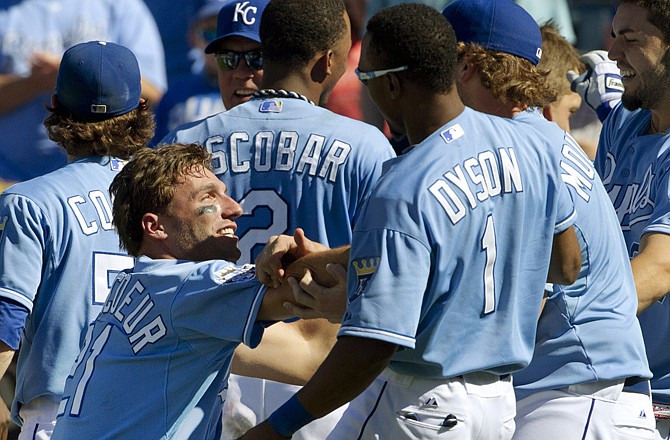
(285,145)
(491,174)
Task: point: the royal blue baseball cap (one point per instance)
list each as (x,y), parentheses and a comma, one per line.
(98,80)
(238,17)
(499,25)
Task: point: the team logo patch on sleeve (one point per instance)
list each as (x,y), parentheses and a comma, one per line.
(271,106)
(365,268)
(235,274)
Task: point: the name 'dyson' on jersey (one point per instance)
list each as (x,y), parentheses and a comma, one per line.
(285,143)
(489,173)
(129,304)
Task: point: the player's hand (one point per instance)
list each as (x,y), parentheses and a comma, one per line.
(44,71)
(315,301)
(5,419)
(279,252)
(600,86)
(262,432)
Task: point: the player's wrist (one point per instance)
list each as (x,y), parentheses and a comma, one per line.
(290,417)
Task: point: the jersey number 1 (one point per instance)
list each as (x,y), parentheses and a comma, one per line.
(489,246)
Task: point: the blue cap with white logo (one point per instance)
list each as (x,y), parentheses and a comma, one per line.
(238,18)
(98,80)
(499,25)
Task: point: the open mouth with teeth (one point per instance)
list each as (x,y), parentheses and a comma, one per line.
(627,74)
(228,232)
(243,93)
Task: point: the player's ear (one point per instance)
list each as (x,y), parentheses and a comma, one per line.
(152,226)
(393,85)
(465,70)
(322,66)
(548,112)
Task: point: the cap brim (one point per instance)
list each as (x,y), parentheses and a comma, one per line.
(212,46)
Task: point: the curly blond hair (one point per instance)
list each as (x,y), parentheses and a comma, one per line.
(510,79)
(120,136)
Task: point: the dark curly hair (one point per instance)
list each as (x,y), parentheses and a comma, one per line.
(418,36)
(510,78)
(120,136)
(293,31)
(147,184)
(658,14)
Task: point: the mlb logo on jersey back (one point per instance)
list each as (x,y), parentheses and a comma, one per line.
(272,106)
(116,164)
(452,133)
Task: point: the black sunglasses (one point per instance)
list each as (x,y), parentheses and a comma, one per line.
(229,60)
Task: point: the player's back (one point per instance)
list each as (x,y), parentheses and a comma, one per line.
(581,322)
(291,164)
(168,328)
(475,206)
(60,253)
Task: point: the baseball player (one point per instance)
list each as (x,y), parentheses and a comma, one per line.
(58,249)
(631,160)
(172,322)
(289,162)
(573,386)
(34,34)
(443,294)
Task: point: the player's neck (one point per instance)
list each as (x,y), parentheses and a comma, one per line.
(419,123)
(660,119)
(291,82)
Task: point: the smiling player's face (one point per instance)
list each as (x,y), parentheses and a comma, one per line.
(238,85)
(199,221)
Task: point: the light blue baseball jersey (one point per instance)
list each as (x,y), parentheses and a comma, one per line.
(53,26)
(634,169)
(167,330)
(59,254)
(291,164)
(450,257)
(588,331)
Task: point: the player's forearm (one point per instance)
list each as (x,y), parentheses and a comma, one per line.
(16,91)
(6,354)
(652,281)
(349,369)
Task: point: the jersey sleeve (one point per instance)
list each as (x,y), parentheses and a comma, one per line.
(13,318)
(221,301)
(23,240)
(387,276)
(659,220)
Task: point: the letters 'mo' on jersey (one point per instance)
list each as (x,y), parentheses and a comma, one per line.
(59,253)
(166,331)
(291,164)
(635,169)
(581,323)
(451,254)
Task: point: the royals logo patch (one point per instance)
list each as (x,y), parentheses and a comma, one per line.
(365,268)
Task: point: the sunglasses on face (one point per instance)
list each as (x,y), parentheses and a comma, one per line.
(364,77)
(229,60)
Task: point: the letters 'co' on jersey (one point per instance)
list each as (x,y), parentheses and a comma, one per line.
(291,164)
(581,323)
(167,330)
(635,169)
(454,246)
(59,254)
